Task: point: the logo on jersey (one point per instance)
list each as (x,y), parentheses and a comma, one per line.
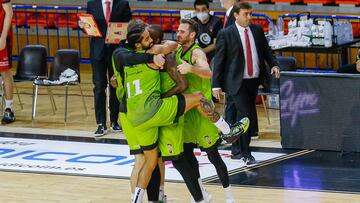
(170,148)
(208,140)
(205,38)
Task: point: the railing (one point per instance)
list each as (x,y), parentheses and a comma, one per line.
(56,26)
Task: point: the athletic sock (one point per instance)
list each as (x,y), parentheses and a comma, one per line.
(222,125)
(228,193)
(138,195)
(161,192)
(201,185)
(9,104)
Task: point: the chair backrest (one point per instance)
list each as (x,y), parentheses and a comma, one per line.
(32,63)
(285,64)
(64,59)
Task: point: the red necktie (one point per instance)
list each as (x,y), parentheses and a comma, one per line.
(249,61)
(225,20)
(108,11)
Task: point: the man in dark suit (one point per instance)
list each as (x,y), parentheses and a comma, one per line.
(229,15)
(105,11)
(239,68)
(353,68)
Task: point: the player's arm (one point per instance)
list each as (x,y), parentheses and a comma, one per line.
(171,68)
(7,24)
(201,66)
(126,57)
(165,48)
(210,48)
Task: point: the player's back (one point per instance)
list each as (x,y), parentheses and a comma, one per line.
(142,92)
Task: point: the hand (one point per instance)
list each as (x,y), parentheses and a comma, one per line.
(184,67)
(275,71)
(358,66)
(159,60)
(81,24)
(217,93)
(2,43)
(113,81)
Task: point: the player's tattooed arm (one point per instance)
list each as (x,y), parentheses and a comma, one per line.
(170,68)
(207,109)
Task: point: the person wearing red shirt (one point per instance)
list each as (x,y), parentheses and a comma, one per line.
(6,14)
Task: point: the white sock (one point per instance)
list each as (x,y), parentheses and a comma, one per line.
(138,195)
(222,125)
(228,193)
(161,192)
(9,104)
(201,185)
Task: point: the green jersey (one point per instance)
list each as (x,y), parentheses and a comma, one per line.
(166,82)
(196,83)
(143,93)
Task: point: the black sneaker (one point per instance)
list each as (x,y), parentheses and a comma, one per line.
(115,127)
(236,130)
(8,117)
(249,160)
(101,131)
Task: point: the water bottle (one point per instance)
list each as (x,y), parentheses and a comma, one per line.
(280,26)
(327,34)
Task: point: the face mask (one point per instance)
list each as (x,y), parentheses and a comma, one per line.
(203,16)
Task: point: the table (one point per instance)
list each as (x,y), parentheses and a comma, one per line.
(341,49)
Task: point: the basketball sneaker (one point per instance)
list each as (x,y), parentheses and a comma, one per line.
(236,130)
(8,117)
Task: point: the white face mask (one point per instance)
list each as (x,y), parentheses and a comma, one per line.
(202,16)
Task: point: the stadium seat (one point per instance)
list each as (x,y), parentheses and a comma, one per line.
(42,20)
(64,59)
(32,64)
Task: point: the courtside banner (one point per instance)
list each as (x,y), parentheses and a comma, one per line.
(91,159)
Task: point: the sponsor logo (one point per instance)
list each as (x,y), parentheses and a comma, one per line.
(295,103)
(170,148)
(208,140)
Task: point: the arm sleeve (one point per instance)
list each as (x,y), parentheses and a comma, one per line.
(126,57)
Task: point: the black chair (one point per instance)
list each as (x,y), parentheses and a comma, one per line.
(285,64)
(32,64)
(64,59)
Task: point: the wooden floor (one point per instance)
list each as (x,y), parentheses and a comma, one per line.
(28,187)
(38,188)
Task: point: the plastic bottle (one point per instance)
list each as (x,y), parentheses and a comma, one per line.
(327,34)
(280,26)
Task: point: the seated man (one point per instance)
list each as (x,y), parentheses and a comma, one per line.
(351,68)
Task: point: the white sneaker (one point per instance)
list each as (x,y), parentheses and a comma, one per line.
(230,200)
(207,197)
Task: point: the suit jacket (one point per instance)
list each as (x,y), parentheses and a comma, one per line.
(229,61)
(231,20)
(120,12)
